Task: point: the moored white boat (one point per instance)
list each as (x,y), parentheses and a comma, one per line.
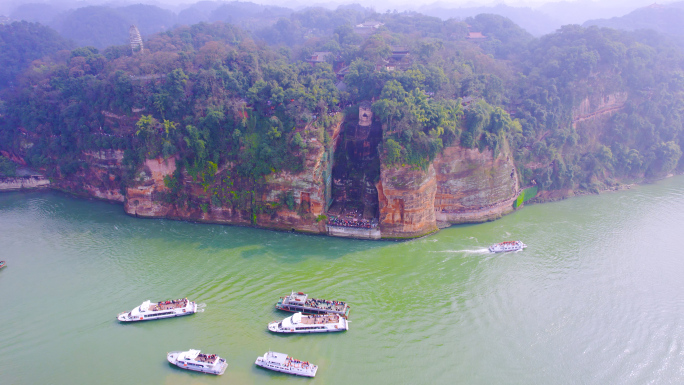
(164,309)
(194,360)
(507,246)
(281,362)
(313,323)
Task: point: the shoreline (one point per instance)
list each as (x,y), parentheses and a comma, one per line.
(9,184)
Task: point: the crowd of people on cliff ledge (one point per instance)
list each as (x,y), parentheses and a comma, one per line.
(355,223)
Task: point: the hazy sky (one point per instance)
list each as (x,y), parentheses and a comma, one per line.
(378,4)
(621,6)
(409,4)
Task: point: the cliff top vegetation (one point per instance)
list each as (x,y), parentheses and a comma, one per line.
(214,94)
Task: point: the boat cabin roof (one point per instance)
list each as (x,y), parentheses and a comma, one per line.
(145,306)
(277,358)
(298,298)
(190,354)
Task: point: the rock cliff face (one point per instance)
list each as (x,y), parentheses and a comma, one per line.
(101,178)
(406,198)
(592,107)
(145,199)
(474,186)
(233,200)
(309,189)
(461,185)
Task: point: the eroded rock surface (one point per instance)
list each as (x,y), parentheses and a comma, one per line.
(101,178)
(462,185)
(406,198)
(230,199)
(474,186)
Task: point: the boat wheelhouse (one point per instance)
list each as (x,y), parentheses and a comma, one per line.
(301,303)
(507,246)
(164,309)
(312,323)
(281,362)
(194,360)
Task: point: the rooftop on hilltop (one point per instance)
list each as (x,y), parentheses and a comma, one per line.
(476,35)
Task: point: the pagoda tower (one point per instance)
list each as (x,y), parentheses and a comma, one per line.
(135,39)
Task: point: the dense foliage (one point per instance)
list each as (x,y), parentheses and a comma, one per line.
(208,94)
(563,69)
(213,95)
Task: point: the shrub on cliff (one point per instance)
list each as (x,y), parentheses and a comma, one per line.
(7,167)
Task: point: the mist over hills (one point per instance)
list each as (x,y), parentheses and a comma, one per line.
(534,21)
(666,19)
(102,24)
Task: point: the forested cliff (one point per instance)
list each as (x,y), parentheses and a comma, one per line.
(211,123)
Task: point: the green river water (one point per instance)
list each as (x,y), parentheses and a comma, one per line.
(596,298)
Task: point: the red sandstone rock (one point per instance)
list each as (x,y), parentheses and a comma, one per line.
(473,186)
(406,198)
(461,185)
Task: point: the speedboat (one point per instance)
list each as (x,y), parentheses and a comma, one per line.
(507,246)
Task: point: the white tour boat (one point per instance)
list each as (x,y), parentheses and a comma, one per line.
(281,362)
(314,323)
(194,360)
(164,309)
(507,246)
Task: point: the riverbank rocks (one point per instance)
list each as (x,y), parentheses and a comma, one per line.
(23,182)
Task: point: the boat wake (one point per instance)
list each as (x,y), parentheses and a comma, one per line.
(201,307)
(466,251)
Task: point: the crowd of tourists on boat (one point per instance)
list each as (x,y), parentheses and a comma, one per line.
(172,304)
(208,358)
(325,304)
(296,363)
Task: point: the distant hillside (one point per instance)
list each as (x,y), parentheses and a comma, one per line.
(541,20)
(665,19)
(23,42)
(579,11)
(235,12)
(98,26)
(102,26)
(533,21)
